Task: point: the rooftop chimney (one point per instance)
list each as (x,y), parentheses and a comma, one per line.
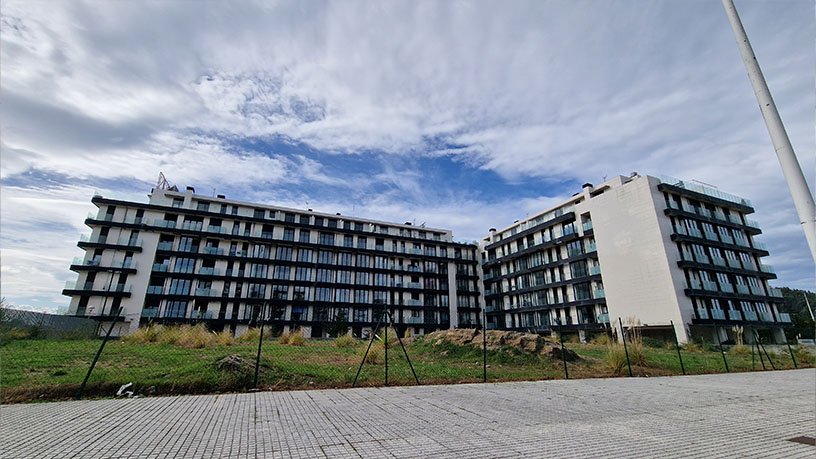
(191,189)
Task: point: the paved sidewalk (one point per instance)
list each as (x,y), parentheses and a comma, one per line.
(736,415)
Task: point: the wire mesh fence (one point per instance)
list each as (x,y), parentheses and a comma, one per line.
(193,359)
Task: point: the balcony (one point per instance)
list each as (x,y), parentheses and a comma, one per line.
(750,315)
(591,247)
(201,315)
(742,288)
(726,287)
(213,251)
(166,246)
(732,263)
(767,268)
(82,261)
(694,232)
(775,292)
(751,223)
(205,292)
(765,316)
(702,313)
(150,312)
(594,270)
(216,229)
(759,245)
(155,289)
(598,293)
(410,302)
(695,284)
(719,261)
(414,285)
(711,236)
(587,226)
(413,320)
(734,315)
(603,318)
(756,290)
(703,259)
(416,251)
(160,267)
(718,314)
(210,271)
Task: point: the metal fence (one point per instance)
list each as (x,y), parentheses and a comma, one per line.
(46,325)
(191,359)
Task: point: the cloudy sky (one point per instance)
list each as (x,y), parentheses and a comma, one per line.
(464,115)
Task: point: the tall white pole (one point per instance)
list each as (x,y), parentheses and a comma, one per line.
(802,198)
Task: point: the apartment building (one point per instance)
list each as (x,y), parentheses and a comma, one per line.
(184,257)
(652,251)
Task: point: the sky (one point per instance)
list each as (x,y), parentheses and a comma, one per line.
(463,115)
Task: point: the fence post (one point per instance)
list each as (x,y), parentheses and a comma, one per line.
(260,343)
(563,354)
(789,349)
(387,324)
(98,353)
(625,348)
(677,346)
(762,347)
(719,340)
(484,344)
(759,351)
(753,362)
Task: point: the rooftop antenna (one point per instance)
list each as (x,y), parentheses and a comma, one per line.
(802,199)
(163,184)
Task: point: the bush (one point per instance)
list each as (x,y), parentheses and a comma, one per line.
(637,354)
(392,337)
(143,335)
(573,339)
(196,337)
(224,338)
(693,346)
(374,354)
(251,335)
(284,337)
(345,341)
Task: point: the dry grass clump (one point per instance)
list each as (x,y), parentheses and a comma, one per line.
(392,337)
(345,340)
(296,338)
(374,354)
(601,339)
(739,349)
(616,357)
(693,346)
(252,335)
(804,356)
(224,338)
(143,335)
(195,337)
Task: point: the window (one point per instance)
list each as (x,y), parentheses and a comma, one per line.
(363,261)
(289,218)
(574,248)
(175,309)
(280,292)
(344,277)
(304,255)
(281,273)
(582,291)
(259,213)
(344,259)
(323,294)
(318,221)
(202,205)
(178,202)
(179,287)
(381,262)
(324,257)
(256,290)
(288,234)
(358,226)
(300,293)
(188,244)
(332,223)
(578,269)
(304,236)
(184,265)
(381,279)
(298,313)
(325,275)
(303,274)
(258,270)
(342,295)
(360,315)
(284,253)
(362,279)
(348,240)
(361,242)
(361,296)
(380,297)
(259,251)
(304,219)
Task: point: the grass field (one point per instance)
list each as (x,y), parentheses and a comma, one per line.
(38,369)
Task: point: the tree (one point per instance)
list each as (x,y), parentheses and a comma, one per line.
(796,306)
(339,324)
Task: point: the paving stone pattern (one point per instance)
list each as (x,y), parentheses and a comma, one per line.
(724,415)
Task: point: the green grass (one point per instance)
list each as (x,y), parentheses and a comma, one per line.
(42,369)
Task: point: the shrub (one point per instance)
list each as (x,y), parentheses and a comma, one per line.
(573,339)
(224,338)
(374,354)
(345,340)
(196,337)
(169,335)
(804,356)
(392,337)
(284,337)
(637,354)
(296,338)
(739,350)
(251,335)
(616,357)
(407,333)
(143,335)
(693,346)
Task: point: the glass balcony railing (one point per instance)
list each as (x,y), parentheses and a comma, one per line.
(705,190)
(413,320)
(216,229)
(765,316)
(726,239)
(598,293)
(155,289)
(702,313)
(726,287)
(751,223)
(718,314)
(733,263)
(84,262)
(201,315)
(708,285)
(750,315)
(593,270)
(710,235)
(766,268)
(695,284)
(210,271)
(756,290)
(734,315)
(784,317)
(719,261)
(414,285)
(164,223)
(587,226)
(161,267)
(213,251)
(775,292)
(603,318)
(410,302)
(591,247)
(742,288)
(150,312)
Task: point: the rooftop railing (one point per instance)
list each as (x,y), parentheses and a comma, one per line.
(704,190)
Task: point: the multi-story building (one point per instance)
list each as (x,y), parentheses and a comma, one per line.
(184,257)
(652,251)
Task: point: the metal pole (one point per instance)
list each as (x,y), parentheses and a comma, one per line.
(373,335)
(260,342)
(625,348)
(484,345)
(96,358)
(385,343)
(789,349)
(405,352)
(677,346)
(725,362)
(802,198)
(563,354)
(753,362)
(766,355)
(759,351)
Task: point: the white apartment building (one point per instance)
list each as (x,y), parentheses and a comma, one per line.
(652,251)
(183,257)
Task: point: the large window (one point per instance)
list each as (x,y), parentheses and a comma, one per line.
(175,309)
(348,240)
(304,236)
(363,261)
(344,259)
(288,234)
(300,293)
(325,257)
(323,294)
(304,255)
(327,238)
(280,292)
(574,248)
(362,279)
(284,253)
(184,265)
(381,279)
(578,269)
(325,275)
(344,277)
(281,273)
(180,287)
(360,314)
(361,296)
(342,295)
(303,274)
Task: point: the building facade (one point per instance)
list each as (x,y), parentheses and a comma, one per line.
(184,257)
(654,252)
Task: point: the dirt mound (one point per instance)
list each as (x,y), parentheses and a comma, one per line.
(530,343)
